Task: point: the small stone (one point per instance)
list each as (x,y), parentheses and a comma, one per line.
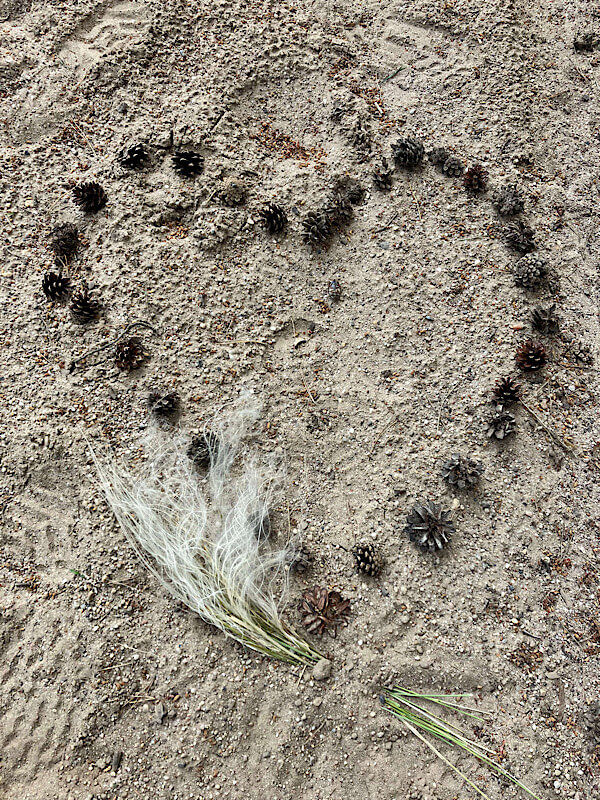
(322,669)
(160,712)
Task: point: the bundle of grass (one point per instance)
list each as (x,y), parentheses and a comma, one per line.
(198,537)
(407,706)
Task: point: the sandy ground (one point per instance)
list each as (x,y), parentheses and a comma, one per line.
(362,398)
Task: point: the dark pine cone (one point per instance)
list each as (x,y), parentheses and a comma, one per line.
(273,217)
(353,191)
(187,163)
(530,272)
(317,228)
(299,559)
(163,404)
(233,192)
(408,152)
(453,167)
(429,527)
(55,285)
(382,176)
(368,559)
(519,237)
(84,306)
(133,156)
(334,290)
(506,392)
(89,196)
(340,211)
(438,156)
(585,42)
(64,241)
(508,201)
(501,425)
(202,450)
(531,355)
(323,610)
(461,471)
(545,320)
(130,354)
(475,179)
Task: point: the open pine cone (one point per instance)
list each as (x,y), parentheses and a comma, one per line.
(133,156)
(382,176)
(501,425)
(506,392)
(368,559)
(273,217)
(187,163)
(545,320)
(203,449)
(89,196)
(531,355)
(519,237)
(408,152)
(130,354)
(508,201)
(476,179)
(84,306)
(461,471)
(55,285)
(163,403)
(323,610)
(316,228)
(530,272)
(429,527)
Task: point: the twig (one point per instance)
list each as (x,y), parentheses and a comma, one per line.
(548,430)
(416,201)
(385,227)
(383,430)
(308,390)
(137,324)
(393,75)
(248,341)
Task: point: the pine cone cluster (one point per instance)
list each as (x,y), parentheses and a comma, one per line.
(89,196)
(323,610)
(233,192)
(273,217)
(462,471)
(187,163)
(531,355)
(163,403)
(55,285)
(64,241)
(506,392)
(530,272)
(203,449)
(519,237)
(508,201)
(133,156)
(85,307)
(545,320)
(501,425)
(408,152)
(368,559)
(475,179)
(130,354)
(429,526)
(382,176)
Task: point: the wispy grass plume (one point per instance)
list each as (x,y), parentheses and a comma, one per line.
(202,539)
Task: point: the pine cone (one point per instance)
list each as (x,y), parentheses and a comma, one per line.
(368,559)
(592,722)
(55,285)
(453,167)
(334,290)
(461,471)
(84,306)
(64,241)
(187,163)
(133,156)
(506,392)
(429,527)
(530,272)
(163,404)
(531,355)
(352,189)
(340,211)
(438,156)
(585,42)
(130,354)
(508,201)
(545,320)
(317,228)
(203,450)
(360,137)
(408,152)
(519,237)
(89,196)
(382,176)
(273,217)
(581,354)
(233,192)
(299,559)
(323,610)
(475,179)
(501,425)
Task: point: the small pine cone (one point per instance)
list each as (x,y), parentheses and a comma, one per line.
(299,559)
(429,527)
(133,156)
(340,212)
(476,179)
(530,272)
(545,320)
(506,392)
(187,163)
(55,285)
(519,237)
(334,290)
(84,306)
(273,217)
(585,42)
(531,355)
(508,201)
(64,241)
(382,176)
(89,196)
(461,471)
(233,192)
(130,354)
(368,559)
(360,138)
(592,722)
(317,228)
(501,425)
(438,156)
(203,449)
(323,610)
(408,152)
(453,167)
(163,404)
